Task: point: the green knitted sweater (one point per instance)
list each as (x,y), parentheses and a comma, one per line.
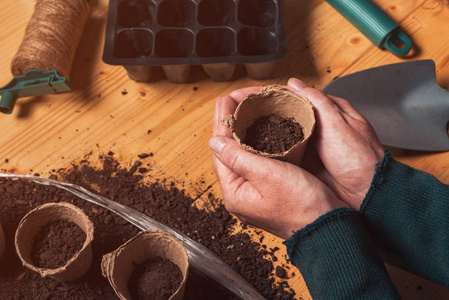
(404,220)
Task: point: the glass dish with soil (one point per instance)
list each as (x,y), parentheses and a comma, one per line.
(128,186)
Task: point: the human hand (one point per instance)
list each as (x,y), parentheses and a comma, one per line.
(274,195)
(344,149)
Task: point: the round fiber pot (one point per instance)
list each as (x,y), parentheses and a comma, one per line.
(35,220)
(279,101)
(2,241)
(118,265)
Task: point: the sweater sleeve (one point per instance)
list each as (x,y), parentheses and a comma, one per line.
(338,260)
(407,213)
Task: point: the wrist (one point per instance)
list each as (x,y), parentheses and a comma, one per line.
(304,219)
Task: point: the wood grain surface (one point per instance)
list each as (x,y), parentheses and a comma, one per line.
(109,112)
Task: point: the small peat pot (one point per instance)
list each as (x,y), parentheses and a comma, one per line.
(151,265)
(54,240)
(274,123)
(2,241)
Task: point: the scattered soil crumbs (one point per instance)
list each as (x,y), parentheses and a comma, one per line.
(280,272)
(56,243)
(156,279)
(273,134)
(159,200)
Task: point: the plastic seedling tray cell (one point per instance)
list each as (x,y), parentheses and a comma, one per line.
(136,13)
(215,42)
(214,33)
(134,43)
(176,13)
(257,13)
(174,43)
(216,13)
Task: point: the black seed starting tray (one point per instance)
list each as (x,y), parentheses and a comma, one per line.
(175,34)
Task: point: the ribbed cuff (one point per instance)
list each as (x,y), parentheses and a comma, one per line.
(406,212)
(338,260)
(378,179)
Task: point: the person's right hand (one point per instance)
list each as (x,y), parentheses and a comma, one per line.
(344,150)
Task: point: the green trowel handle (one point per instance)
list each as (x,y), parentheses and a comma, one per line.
(378,27)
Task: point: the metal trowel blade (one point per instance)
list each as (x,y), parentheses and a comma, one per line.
(403,102)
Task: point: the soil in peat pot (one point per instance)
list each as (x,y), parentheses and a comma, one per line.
(160,200)
(156,279)
(273,134)
(56,243)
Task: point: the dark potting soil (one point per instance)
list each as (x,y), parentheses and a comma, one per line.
(156,279)
(159,200)
(56,243)
(273,134)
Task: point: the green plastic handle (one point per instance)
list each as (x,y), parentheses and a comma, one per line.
(33,83)
(402,38)
(377,26)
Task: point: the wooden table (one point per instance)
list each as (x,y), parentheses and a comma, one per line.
(109,112)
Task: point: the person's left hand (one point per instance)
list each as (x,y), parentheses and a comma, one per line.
(274,195)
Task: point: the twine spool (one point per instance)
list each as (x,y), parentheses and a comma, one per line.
(51,37)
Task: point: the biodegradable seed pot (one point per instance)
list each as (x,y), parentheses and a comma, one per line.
(278,101)
(43,217)
(118,265)
(2,241)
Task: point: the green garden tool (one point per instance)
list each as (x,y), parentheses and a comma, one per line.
(378,27)
(33,83)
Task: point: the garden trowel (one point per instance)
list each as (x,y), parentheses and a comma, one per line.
(403,102)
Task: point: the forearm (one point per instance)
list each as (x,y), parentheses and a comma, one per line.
(338,260)
(407,213)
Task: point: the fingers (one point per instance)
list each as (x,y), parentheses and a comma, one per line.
(296,84)
(216,115)
(348,108)
(229,180)
(247,165)
(224,106)
(240,95)
(325,104)
(230,183)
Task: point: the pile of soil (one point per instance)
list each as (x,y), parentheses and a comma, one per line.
(56,243)
(156,279)
(159,200)
(273,134)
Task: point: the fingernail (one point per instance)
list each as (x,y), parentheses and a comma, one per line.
(296,84)
(216,144)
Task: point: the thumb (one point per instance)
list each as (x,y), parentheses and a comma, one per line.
(247,165)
